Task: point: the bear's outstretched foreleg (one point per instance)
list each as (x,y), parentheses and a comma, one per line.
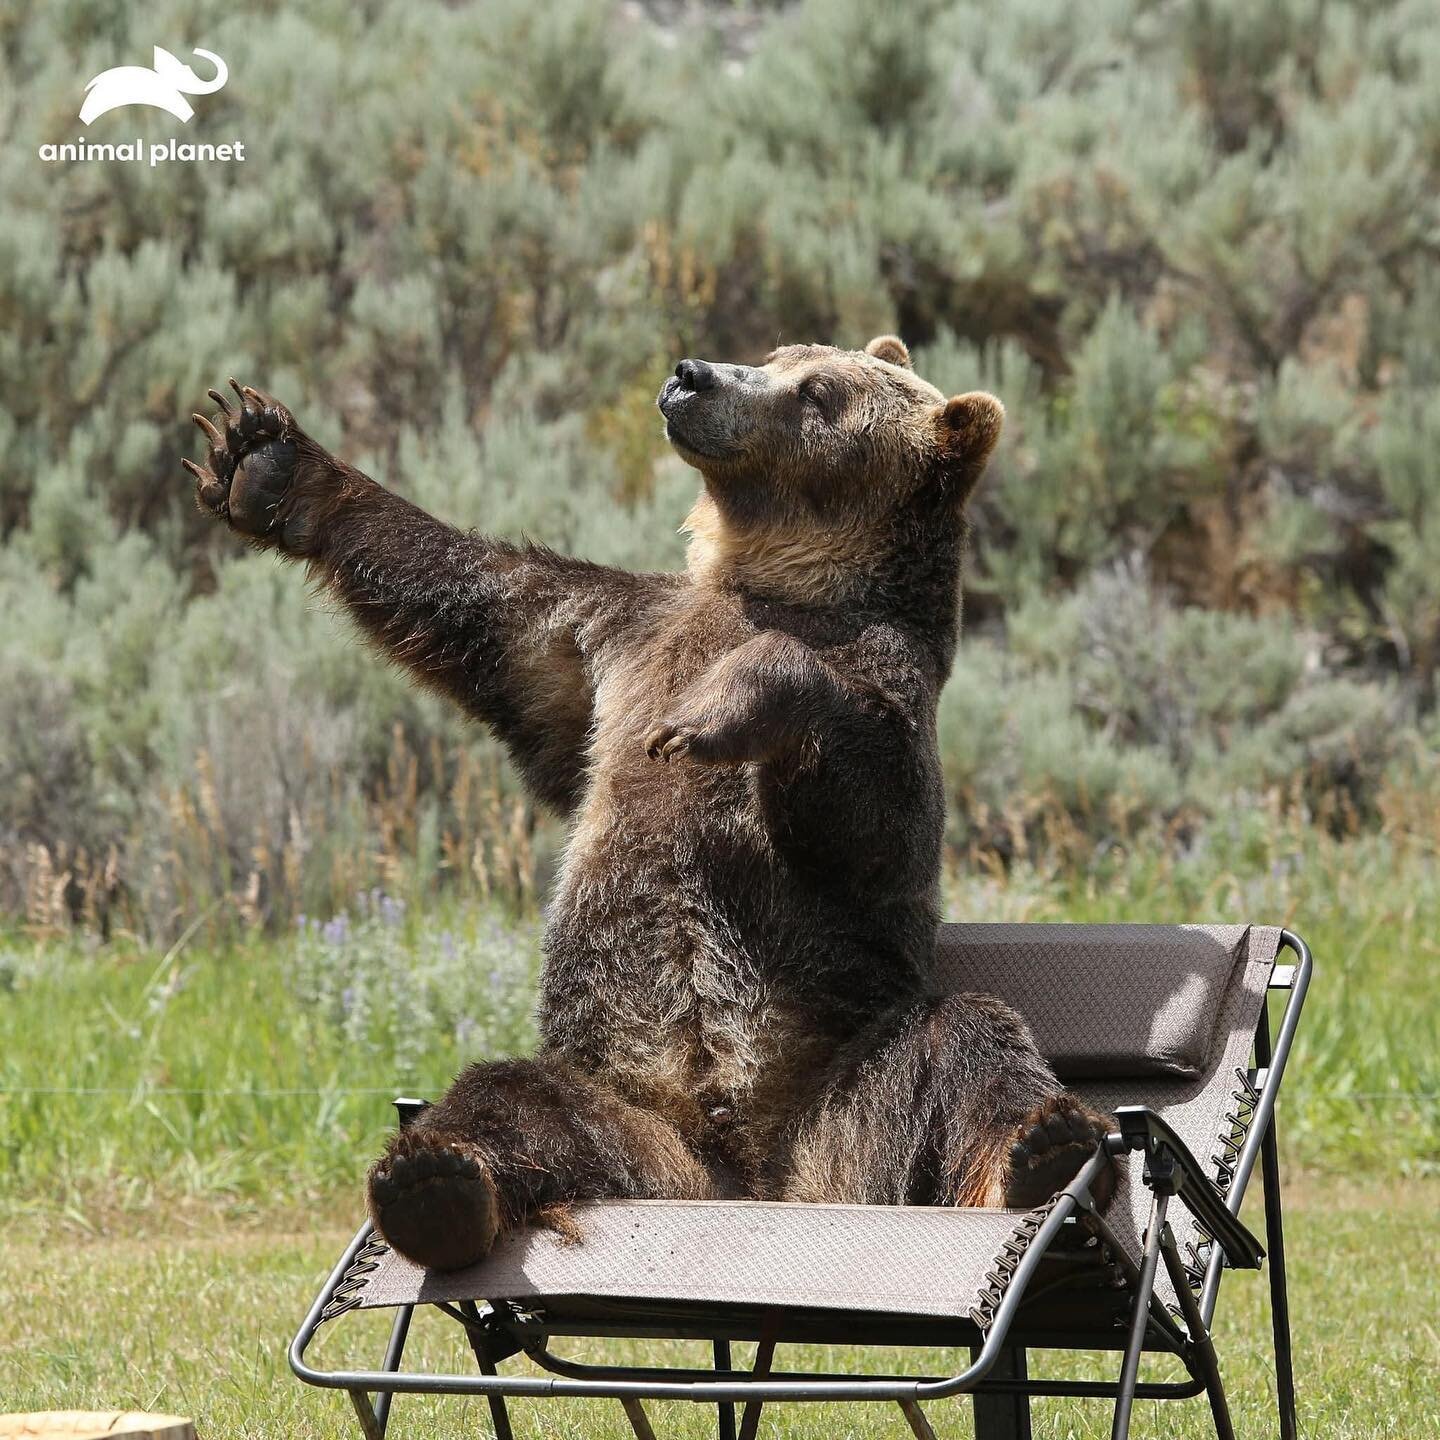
(510,632)
(942,1102)
(510,1140)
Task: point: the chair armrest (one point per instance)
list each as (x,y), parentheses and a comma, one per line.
(1170,1165)
(408,1110)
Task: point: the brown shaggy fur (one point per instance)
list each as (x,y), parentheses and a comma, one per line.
(734,1000)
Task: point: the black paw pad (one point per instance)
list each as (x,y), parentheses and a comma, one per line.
(251,459)
(1051,1145)
(434,1201)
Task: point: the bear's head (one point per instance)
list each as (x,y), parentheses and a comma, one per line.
(820,462)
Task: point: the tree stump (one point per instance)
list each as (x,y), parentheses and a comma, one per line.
(95,1425)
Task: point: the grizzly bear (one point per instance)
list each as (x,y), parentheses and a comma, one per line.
(735,997)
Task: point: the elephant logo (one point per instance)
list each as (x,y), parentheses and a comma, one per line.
(164,86)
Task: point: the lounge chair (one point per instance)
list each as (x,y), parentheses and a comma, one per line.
(1166,1027)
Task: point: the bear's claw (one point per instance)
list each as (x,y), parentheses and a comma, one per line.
(668,742)
(433,1200)
(250,461)
(1053,1141)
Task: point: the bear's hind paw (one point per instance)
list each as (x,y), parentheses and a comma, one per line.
(432,1198)
(1051,1144)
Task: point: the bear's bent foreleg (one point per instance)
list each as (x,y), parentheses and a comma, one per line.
(943,1102)
(511,1139)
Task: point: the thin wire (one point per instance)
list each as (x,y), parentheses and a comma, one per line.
(260,1092)
(1383,1095)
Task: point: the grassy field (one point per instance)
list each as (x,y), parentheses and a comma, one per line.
(190,1310)
(181,1138)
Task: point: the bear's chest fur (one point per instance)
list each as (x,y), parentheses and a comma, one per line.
(687,957)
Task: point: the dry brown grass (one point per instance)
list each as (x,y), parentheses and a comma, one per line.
(442,821)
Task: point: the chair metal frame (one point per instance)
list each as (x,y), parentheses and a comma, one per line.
(997,1377)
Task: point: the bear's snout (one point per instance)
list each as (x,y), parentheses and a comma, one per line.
(691,377)
(696,375)
(708,409)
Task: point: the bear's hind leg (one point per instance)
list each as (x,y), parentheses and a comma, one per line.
(509,1140)
(942,1102)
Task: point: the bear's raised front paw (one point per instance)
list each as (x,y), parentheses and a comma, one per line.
(669,741)
(432,1198)
(1053,1141)
(251,461)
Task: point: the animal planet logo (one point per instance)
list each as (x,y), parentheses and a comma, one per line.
(162,86)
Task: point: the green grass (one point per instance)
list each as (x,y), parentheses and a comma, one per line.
(181,1141)
(263,1070)
(188,1311)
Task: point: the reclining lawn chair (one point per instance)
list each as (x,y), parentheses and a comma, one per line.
(1156,1024)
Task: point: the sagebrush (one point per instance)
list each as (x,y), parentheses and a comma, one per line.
(1190,244)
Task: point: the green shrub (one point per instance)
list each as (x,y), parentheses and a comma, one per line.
(1116,705)
(1192,251)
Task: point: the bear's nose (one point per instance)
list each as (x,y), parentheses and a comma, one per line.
(696,375)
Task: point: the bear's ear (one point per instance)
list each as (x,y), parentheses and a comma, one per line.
(969,427)
(891,348)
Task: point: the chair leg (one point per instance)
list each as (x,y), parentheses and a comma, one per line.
(1139,1319)
(499,1414)
(726,1407)
(919,1424)
(639,1420)
(399,1332)
(1203,1346)
(1003,1417)
(365,1412)
(374,1415)
(764,1355)
(1279,1300)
